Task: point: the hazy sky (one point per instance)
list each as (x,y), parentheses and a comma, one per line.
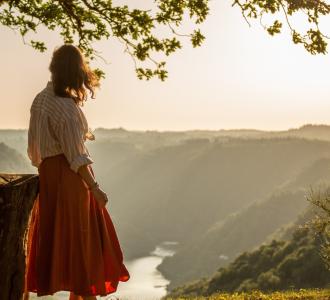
(240,78)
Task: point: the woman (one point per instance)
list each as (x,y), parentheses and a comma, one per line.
(71,242)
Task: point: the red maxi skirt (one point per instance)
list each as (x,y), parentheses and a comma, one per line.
(71,244)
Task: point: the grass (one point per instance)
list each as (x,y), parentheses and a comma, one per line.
(302,294)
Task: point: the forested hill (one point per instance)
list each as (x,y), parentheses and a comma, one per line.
(245,229)
(281,264)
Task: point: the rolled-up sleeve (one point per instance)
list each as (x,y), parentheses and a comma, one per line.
(70,136)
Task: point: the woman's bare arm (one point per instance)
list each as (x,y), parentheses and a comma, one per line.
(87,176)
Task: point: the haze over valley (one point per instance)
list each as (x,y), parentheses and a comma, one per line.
(214,194)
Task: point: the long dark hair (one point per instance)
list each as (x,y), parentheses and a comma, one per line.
(71,74)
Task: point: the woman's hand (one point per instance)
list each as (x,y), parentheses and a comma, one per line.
(86,172)
(100,196)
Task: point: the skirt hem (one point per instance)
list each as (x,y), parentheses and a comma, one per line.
(78,293)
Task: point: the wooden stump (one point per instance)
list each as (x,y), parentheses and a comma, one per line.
(17,195)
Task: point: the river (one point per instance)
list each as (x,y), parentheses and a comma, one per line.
(146,282)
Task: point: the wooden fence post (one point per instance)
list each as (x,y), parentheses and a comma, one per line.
(17,195)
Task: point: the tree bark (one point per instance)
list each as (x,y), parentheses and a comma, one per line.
(17,195)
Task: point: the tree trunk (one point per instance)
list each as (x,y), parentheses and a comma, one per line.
(17,195)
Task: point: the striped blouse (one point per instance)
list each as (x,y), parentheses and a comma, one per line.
(57,125)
